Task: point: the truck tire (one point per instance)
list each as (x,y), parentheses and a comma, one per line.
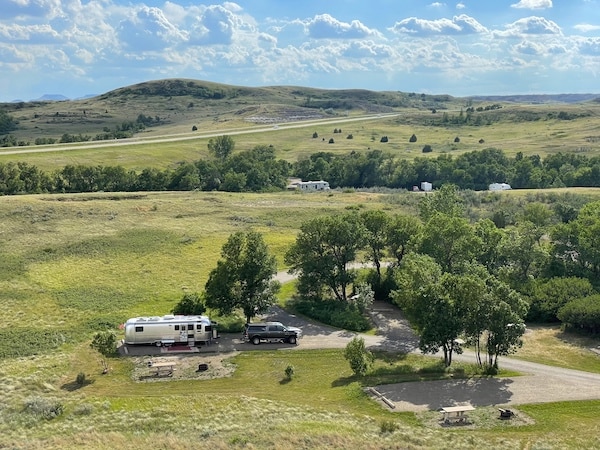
(292,340)
(256,340)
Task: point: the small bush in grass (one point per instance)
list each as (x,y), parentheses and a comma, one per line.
(289,372)
(84,409)
(358,356)
(388,426)
(80,380)
(43,408)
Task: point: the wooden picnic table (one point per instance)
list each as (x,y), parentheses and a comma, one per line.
(163,368)
(456,414)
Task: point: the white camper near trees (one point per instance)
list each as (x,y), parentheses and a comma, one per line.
(169,330)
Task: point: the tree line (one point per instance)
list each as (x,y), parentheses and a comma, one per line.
(259,170)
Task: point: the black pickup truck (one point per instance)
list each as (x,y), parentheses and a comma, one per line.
(270,332)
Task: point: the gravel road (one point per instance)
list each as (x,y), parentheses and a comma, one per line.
(539,384)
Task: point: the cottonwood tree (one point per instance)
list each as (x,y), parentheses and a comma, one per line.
(221,146)
(376,223)
(450,240)
(322,253)
(445,200)
(243,277)
(426,296)
(403,235)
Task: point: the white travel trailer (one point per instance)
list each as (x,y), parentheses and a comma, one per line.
(499,187)
(169,330)
(313,185)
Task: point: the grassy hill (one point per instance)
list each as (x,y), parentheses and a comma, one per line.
(181,115)
(180,104)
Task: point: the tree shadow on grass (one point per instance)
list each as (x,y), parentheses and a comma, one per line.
(74,385)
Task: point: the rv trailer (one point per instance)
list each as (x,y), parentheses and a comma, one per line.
(169,330)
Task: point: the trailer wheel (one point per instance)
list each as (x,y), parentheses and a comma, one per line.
(292,340)
(256,340)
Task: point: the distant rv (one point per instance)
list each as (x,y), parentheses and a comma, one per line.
(499,187)
(169,330)
(312,185)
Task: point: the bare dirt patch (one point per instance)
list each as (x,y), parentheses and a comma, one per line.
(185,367)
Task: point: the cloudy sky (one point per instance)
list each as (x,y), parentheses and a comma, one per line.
(465,47)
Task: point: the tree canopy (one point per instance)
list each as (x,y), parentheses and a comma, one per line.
(243,277)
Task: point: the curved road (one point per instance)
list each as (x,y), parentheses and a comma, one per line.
(539,383)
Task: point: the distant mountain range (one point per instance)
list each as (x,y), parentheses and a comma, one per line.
(56,98)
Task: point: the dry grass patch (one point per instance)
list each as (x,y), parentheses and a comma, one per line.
(550,345)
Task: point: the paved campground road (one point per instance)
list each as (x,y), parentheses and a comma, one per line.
(539,383)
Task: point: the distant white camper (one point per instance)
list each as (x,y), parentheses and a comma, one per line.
(426,186)
(169,330)
(499,187)
(313,185)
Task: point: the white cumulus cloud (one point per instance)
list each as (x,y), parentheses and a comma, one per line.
(324,26)
(533,4)
(462,24)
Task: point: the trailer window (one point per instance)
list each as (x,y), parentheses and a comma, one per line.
(190,326)
(139,329)
(208,328)
(176,327)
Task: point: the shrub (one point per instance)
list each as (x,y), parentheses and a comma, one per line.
(331,141)
(413,138)
(80,380)
(189,305)
(456,139)
(43,408)
(427,149)
(582,314)
(289,372)
(315,135)
(358,356)
(388,426)
(383,139)
(333,313)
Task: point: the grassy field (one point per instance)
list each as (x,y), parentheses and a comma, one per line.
(543,137)
(73,264)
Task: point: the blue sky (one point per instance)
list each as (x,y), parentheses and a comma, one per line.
(465,47)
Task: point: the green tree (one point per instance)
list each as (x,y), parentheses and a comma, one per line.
(243,277)
(322,252)
(191,304)
(450,240)
(490,237)
(376,223)
(552,294)
(445,200)
(587,226)
(358,356)
(582,314)
(105,343)
(221,147)
(403,235)
(505,324)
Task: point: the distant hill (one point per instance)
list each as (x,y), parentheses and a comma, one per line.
(174,106)
(541,98)
(52,98)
